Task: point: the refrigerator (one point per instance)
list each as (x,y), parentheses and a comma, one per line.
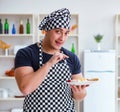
(101,94)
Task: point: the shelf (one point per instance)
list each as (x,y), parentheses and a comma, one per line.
(6,77)
(16,14)
(16,35)
(70,35)
(9,56)
(73,35)
(12,99)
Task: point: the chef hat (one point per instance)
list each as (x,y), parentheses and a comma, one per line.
(58,19)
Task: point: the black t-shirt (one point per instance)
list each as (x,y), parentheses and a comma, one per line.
(29,56)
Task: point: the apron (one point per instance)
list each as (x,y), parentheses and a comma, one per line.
(54,94)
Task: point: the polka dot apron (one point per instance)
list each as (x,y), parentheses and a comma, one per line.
(54,94)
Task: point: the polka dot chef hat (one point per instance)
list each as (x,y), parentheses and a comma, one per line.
(58,19)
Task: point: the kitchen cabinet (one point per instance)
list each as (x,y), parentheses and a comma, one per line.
(117,43)
(73,36)
(15,41)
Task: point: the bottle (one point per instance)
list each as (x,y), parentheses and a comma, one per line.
(13,29)
(6,27)
(73,48)
(1,27)
(28,27)
(21,28)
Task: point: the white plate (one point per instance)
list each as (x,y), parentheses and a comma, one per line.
(81,83)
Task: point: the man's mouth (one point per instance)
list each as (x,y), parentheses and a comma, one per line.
(58,43)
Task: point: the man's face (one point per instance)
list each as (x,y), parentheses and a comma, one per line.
(57,37)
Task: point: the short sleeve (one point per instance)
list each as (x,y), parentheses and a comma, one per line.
(23,58)
(76,65)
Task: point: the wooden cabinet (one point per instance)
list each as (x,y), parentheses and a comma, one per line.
(117,43)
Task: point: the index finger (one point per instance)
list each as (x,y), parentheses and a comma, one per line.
(65,56)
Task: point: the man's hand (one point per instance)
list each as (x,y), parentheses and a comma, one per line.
(57,57)
(79,92)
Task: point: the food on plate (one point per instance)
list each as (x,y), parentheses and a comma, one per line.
(82,79)
(93,79)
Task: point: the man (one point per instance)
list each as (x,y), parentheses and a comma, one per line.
(42,69)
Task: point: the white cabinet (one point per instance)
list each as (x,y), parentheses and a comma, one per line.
(73,36)
(7,61)
(117,36)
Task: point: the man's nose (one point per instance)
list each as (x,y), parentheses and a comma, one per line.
(62,37)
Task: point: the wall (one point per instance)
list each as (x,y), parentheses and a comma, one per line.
(96,16)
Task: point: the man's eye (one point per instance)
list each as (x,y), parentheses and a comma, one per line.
(58,31)
(66,33)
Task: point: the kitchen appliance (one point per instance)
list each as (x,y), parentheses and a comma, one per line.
(100,95)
